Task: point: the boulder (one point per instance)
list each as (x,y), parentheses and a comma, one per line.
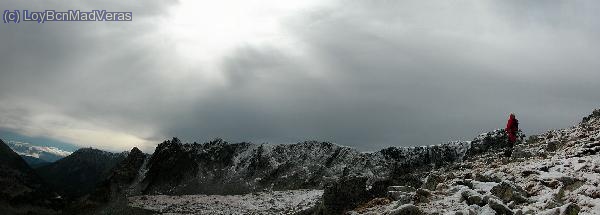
(400,196)
(498,206)
(508,192)
(421,196)
(406,189)
(568,209)
(472,197)
(406,209)
(432,181)
(487,177)
(570,183)
(465,182)
(466,212)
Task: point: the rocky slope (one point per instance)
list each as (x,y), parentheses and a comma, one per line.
(271,202)
(21,190)
(80,172)
(556,172)
(108,197)
(218,167)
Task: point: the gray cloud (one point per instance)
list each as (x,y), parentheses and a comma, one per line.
(363,74)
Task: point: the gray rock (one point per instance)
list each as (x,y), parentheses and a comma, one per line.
(465,212)
(568,209)
(472,197)
(487,178)
(400,196)
(406,189)
(406,209)
(518,212)
(432,181)
(509,192)
(403,194)
(465,182)
(421,196)
(499,207)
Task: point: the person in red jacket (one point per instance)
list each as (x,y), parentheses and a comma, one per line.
(512,126)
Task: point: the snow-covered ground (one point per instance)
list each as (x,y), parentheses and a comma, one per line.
(275,202)
(557,172)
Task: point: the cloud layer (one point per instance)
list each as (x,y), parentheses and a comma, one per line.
(367,74)
(46,153)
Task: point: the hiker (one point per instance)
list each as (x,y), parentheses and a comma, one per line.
(512,126)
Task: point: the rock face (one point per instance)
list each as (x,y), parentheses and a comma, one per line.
(116,185)
(218,167)
(592,117)
(79,173)
(496,140)
(22,190)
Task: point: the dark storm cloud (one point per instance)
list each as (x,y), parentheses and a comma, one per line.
(367,74)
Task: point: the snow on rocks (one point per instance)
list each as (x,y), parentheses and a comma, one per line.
(556,172)
(275,202)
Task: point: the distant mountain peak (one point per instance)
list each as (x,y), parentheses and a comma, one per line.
(135,150)
(46,153)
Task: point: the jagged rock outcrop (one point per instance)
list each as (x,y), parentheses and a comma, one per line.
(493,141)
(218,167)
(116,185)
(595,115)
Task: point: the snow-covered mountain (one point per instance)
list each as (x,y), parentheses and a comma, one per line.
(218,167)
(45,153)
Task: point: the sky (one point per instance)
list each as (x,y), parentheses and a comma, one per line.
(365,74)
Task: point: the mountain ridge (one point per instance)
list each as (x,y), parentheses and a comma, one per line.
(23,191)
(78,174)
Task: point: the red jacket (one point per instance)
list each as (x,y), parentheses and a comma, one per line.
(512,126)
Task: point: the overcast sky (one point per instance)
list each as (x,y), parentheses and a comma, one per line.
(366,74)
